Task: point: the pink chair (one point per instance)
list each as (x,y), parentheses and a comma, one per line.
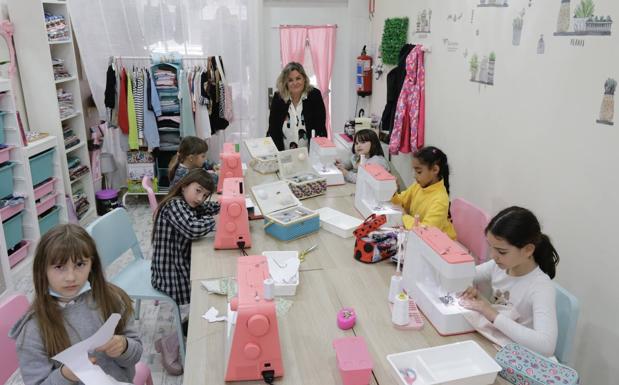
(147,183)
(11,310)
(470,222)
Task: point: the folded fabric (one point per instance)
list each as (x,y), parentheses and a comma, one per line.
(486,328)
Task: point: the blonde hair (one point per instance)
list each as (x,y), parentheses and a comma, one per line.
(282,79)
(56,247)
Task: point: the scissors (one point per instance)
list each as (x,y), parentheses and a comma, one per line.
(306,251)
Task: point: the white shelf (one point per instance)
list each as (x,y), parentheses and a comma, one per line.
(73,115)
(77,146)
(60,42)
(40,145)
(80,178)
(64,80)
(54,2)
(5,84)
(87,218)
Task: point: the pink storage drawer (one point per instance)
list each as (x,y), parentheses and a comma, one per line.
(44,189)
(9,211)
(46,203)
(19,254)
(5,154)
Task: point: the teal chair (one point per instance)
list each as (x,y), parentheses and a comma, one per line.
(568,310)
(114,235)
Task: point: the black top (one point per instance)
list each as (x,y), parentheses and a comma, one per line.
(313,112)
(395,81)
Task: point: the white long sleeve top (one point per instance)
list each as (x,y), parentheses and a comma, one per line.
(533,298)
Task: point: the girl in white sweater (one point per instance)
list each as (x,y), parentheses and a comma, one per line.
(365,143)
(520,272)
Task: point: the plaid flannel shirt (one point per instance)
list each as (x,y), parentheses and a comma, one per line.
(176,227)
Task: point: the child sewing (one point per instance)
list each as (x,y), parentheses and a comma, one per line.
(428,197)
(72,300)
(182,216)
(520,272)
(366,144)
(191,155)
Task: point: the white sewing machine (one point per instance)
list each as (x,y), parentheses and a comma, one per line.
(375,187)
(436,269)
(322,156)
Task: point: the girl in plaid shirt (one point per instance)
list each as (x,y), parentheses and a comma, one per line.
(182,216)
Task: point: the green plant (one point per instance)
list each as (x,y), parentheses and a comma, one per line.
(474,62)
(492,56)
(585,9)
(394,37)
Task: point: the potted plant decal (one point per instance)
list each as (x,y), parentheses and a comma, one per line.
(483,70)
(474,66)
(582,13)
(563,22)
(491,61)
(608,102)
(517,24)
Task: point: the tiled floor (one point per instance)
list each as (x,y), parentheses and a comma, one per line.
(155,321)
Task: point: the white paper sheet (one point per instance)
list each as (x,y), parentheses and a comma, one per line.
(76,356)
(211,315)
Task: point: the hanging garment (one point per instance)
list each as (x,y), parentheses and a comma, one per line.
(123,118)
(203,124)
(152,109)
(138,98)
(110,87)
(409,122)
(188,127)
(133,124)
(395,79)
(112,144)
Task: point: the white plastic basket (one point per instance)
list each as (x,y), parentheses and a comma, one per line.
(337,222)
(284,289)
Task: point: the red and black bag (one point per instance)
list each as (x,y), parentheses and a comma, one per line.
(372,248)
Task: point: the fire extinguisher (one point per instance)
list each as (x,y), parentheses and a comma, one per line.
(364,74)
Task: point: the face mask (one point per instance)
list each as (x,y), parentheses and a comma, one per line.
(84,289)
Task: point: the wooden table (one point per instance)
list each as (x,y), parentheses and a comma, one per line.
(330,279)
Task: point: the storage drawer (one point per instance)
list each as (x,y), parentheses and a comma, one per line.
(42,166)
(19,254)
(8,211)
(49,220)
(44,189)
(6,179)
(13,230)
(46,203)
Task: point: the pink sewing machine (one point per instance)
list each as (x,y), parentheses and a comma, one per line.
(231,166)
(252,343)
(233,224)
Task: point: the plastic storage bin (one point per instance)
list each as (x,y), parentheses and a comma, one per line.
(20,253)
(46,203)
(5,154)
(6,179)
(49,220)
(42,166)
(107,200)
(44,189)
(353,360)
(13,230)
(8,211)
(2,113)
(284,289)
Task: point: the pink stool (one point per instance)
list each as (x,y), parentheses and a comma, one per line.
(353,360)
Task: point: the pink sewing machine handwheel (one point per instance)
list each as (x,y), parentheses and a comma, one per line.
(346,318)
(258,325)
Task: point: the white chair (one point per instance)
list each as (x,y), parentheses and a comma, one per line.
(114,235)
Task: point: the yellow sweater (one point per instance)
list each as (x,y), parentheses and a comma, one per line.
(431,203)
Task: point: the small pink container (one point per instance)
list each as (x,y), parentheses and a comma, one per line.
(46,203)
(19,254)
(353,360)
(5,154)
(8,211)
(44,189)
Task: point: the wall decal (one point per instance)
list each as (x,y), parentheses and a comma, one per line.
(482,71)
(472,15)
(541,46)
(424,19)
(452,46)
(517,25)
(584,21)
(493,3)
(455,17)
(577,42)
(607,109)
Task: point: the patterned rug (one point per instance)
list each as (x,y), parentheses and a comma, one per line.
(155,320)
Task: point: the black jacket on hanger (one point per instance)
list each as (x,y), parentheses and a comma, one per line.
(395,80)
(314,115)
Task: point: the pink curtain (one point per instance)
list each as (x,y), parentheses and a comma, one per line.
(322,47)
(292,43)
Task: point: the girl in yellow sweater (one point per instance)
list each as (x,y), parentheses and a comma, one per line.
(429,196)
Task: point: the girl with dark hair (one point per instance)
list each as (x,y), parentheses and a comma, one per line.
(366,144)
(520,272)
(71,302)
(428,197)
(191,155)
(182,216)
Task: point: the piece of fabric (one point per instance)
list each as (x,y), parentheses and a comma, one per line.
(430,203)
(110,87)
(188,127)
(322,47)
(123,117)
(133,123)
(409,123)
(292,42)
(395,79)
(82,319)
(176,226)
(151,133)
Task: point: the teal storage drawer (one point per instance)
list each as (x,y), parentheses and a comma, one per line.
(42,166)
(2,137)
(49,220)
(6,179)
(13,230)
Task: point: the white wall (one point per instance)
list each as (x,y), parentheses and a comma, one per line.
(531,139)
(352,33)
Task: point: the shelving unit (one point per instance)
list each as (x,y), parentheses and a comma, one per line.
(35,53)
(22,186)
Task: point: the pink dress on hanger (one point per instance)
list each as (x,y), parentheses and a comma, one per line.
(409,123)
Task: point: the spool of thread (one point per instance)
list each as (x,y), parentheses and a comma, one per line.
(399,315)
(269,289)
(395,287)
